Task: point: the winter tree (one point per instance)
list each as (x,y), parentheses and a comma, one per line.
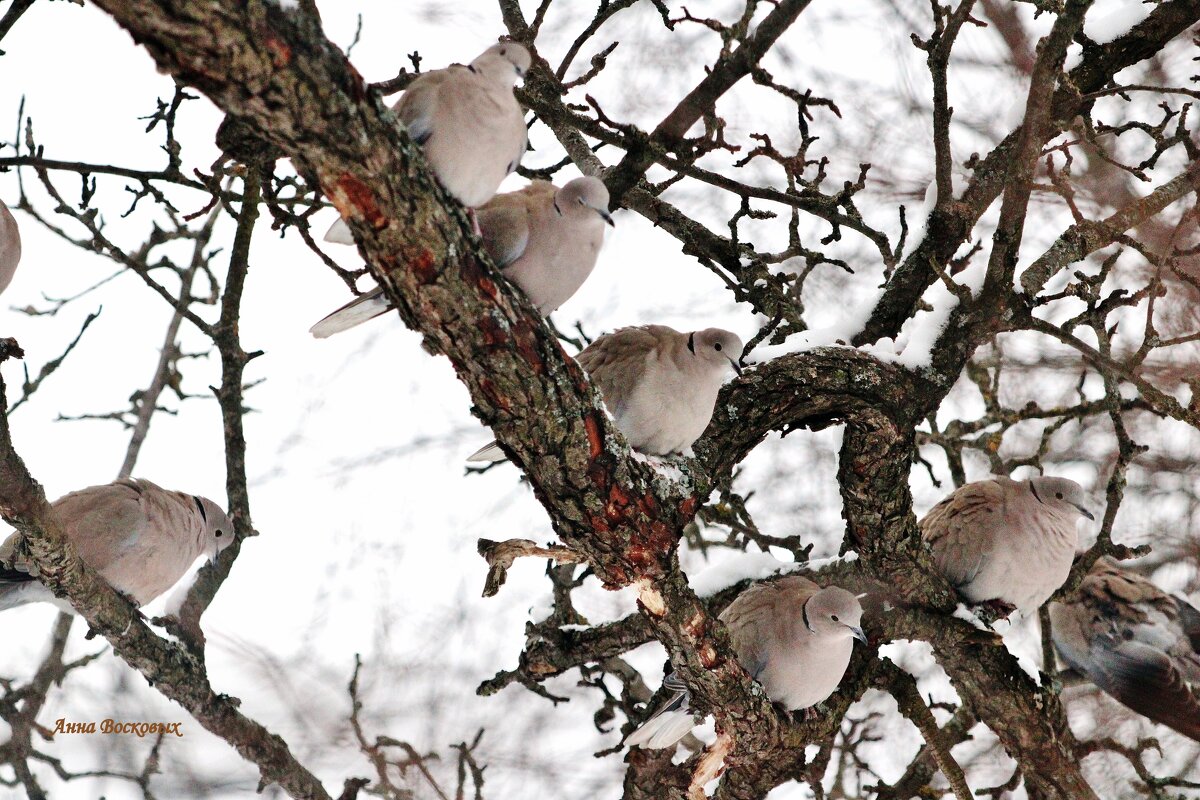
(959,239)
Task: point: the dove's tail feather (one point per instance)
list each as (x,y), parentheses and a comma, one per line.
(18,589)
(670,723)
(1146,680)
(488,454)
(10,596)
(663,729)
(356,312)
(339,233)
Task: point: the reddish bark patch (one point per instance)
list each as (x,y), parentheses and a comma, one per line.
(640,556)
(361,198)
(424,267)
(687,509)
(595,440)
(489,390)
(526,341)
(540,668)
(618,501)
(615,577)
(494,334)
(471,270)
(708,655)
(281,53)
(656,538)
(661,537)
(358,87)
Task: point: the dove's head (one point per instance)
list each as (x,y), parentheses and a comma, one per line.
(503,62)
(583,198)
(836,613)
(218,528)
(1061,494)
(717,347)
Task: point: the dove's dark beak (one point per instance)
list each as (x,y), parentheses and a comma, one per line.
(858,633)
(1086,513)
(736,367)
(607,217)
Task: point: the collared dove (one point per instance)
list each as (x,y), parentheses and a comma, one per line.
(792,636)
(1007,541)
(1136,642)
(545,239)
(10,246)
(660,385)
(139,537)
(469,124)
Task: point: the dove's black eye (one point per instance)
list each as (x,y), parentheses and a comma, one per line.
(1058,495)
(834,618)
(717,347)
(220,534)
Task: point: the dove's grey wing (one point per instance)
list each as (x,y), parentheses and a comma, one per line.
(103,522)
(760,617)
(616,363)
(1189,619)
(417,107)
(962,529)
(18,588)
(10,246)
(1113,631)
(519,152)
(6,550)
(1148,681)
(505,229)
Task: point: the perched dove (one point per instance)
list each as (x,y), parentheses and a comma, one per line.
(545,239)
(469,124)
(791,635)
(139,537)
(660,385)
(1007,541)
(1136,642)
(10,246)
